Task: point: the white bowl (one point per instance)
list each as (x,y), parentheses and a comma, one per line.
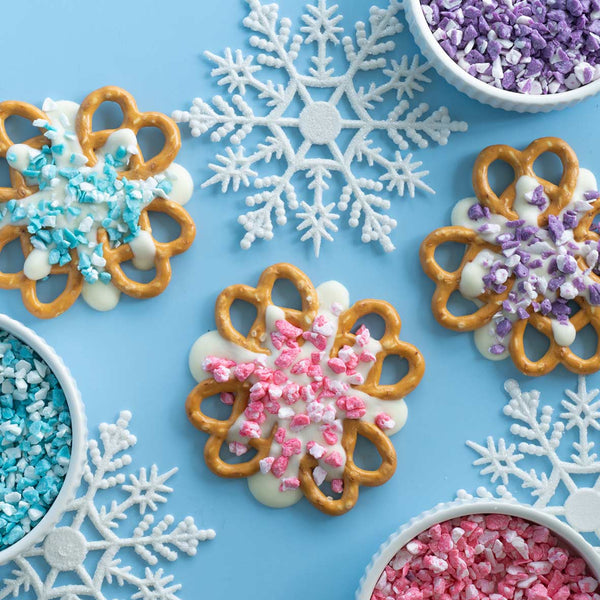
(463,508)
(479,90)
(78,444)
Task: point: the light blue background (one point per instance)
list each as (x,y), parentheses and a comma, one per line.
(136,356)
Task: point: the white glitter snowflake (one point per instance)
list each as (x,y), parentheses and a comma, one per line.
(65,549)
(319,123)
(542,437)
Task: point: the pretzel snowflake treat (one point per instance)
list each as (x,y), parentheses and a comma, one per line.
(302,387)
(532,258)
(80,202)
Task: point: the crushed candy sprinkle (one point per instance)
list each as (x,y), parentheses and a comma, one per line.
(529,46)
(302,394)
(486,557)
(35,439)
(75,200)
(548,266)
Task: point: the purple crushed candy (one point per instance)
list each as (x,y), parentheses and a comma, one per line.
(497,349)
(545,306)
(478,211)
(555,283)
(555,227)
(594,291)
(531,46)
(503,327)
(538,197)
(561,308)
(570,219)
(515,224)
(566,264)
(521,271)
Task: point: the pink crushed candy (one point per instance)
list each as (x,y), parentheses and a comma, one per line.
(289,483)
(363,336)
(300,394)
(482,557)
(237,448)
(266,464)
(384,421)
(337,486)
(227,398)
(319,475)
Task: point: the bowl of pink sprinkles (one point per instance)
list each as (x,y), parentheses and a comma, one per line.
(526,56)
(483,550)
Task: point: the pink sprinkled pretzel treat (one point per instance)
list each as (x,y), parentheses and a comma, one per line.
(301,392)
(486,557)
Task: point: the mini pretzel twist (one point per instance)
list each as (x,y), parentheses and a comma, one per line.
(218,430)
(260,298)
(489,302)
(133,119)
(139,168)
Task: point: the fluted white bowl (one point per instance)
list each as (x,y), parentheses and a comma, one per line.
(78,443)
(479,90)
(463,508)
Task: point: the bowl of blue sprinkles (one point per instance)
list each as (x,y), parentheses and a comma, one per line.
(42,438)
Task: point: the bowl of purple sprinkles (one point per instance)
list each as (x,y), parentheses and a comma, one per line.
(42,438)
(526,56)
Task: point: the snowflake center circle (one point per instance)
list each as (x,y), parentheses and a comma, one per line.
(320,122)
(582,509)
(65,549)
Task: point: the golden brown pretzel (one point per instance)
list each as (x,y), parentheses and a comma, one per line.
(448,282)
(28,287)
(90,142)
(218,430)
(132,119)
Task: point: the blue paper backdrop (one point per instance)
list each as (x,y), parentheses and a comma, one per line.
(136,356)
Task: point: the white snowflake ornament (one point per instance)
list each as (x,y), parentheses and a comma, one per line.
(540,436)
(65,549)
(319,123)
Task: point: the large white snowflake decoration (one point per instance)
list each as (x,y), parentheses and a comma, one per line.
(542,437)
(319,123)
(65,549)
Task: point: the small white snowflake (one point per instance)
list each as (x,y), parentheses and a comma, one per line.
(66,548)
(319,123)
(542,437)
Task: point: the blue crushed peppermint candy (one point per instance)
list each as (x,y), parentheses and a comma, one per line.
(74,200)
(529,46)
(548,267)
(35,439)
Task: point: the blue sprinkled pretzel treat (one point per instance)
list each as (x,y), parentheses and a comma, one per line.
(80,198)
(35,439)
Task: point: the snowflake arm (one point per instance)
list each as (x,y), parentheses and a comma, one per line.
(367,53)
(321,26)
(147,491)
(66,547)
(406,123)
(273,38)
(23,578)
(582,412)
(404,80)
(317,219)
(540,435)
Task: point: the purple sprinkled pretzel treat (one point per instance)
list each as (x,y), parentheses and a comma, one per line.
(529,46)
(550,268)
